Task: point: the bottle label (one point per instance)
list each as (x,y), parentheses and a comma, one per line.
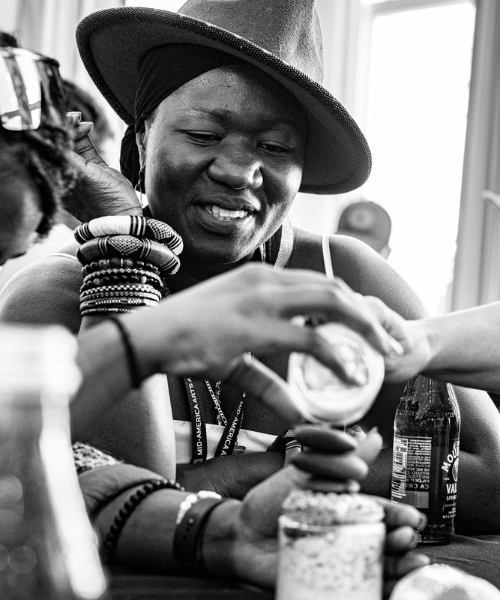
(411,470)
(425,475)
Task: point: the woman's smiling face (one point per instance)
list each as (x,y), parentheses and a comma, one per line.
(224,156)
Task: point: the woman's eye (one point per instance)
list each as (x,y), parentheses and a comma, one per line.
(203,136)
(274,148)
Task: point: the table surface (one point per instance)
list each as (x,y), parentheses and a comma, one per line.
(478,556)
(137,586)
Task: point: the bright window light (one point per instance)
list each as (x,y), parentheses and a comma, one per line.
(418,93)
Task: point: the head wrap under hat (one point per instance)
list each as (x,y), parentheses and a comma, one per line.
(185,62)
(280,37)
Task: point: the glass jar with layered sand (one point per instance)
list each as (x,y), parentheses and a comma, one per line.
(331,546)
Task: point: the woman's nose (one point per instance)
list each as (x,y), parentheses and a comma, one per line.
(236,169)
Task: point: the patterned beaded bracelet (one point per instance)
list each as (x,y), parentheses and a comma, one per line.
(285,441)
(127,246)
(114,289)
(112,537)
(118,263)
(137,226)
(105,276)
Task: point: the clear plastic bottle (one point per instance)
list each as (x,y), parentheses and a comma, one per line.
(425,455)
(47,545)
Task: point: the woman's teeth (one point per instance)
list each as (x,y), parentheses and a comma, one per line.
(226,215)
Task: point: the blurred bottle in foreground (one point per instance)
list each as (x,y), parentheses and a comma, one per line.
(47,546)
(425,455)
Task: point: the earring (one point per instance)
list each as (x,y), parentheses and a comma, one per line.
(141,183)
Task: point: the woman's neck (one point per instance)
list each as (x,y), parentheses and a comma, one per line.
(193,270)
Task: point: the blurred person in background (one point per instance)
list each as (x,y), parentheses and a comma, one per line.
(369,222)
(61,234)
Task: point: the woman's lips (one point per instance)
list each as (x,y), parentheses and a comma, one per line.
(224,220)
(224,214)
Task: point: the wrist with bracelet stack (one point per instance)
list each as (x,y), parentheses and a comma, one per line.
(125,261)
(192,518)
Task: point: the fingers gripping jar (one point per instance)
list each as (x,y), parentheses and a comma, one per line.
(331,546)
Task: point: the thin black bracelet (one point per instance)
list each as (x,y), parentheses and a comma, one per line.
(189,534)
(116,528)
(129,350)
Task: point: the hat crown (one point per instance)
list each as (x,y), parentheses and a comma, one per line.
(289,29)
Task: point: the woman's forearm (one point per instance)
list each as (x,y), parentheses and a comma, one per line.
(105,376)
(464,347)
(230,476)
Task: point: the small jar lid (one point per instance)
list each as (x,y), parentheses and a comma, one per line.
(317,508)
(320,395)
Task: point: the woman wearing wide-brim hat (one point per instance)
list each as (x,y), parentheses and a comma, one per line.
(228,121)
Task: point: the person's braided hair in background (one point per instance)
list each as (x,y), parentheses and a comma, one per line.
(44,153)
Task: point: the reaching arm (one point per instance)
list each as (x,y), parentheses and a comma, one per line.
(461,347)
(478,507)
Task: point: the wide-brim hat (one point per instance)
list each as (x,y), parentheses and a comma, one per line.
(280,37)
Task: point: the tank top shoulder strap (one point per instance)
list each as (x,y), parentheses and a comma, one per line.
(327,256)
(311,251)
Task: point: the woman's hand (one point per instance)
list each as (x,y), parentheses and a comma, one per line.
(100,190)
(334,461)
(401,521)
(413,337)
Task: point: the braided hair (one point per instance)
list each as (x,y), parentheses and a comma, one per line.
(44,152)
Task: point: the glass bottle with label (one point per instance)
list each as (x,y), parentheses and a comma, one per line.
(47,545)
(425,455)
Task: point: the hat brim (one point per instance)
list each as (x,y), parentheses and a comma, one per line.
(113,42)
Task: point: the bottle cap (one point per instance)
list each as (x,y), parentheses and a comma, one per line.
(34,358)
(320,395)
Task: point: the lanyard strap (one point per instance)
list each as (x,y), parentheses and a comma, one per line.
(198,428)
(198,425)
(231,430)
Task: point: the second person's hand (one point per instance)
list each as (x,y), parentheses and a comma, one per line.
(100,189)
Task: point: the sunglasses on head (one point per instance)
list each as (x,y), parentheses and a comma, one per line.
(31,90)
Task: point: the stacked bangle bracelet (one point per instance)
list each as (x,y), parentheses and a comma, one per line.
(125,261)
(127,246)
(137,226)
